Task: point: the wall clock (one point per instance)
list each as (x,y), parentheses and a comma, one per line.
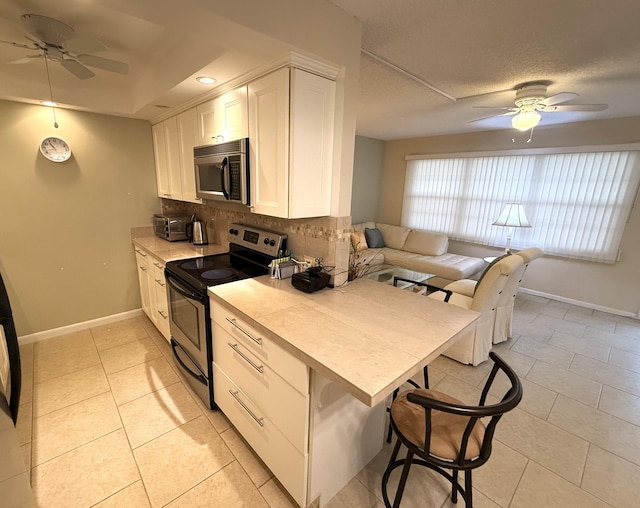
(55,149)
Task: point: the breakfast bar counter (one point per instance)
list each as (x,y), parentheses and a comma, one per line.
(304,377)
(368,336)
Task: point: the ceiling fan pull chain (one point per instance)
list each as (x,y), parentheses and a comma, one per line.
(53,108)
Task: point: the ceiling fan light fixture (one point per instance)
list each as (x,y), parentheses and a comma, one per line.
(525,120)
(205,80)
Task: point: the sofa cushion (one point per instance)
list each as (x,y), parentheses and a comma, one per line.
(427,243)
(394,236)
(374,238)
(448,266)
(358,241)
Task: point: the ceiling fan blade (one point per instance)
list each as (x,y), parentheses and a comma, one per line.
(104,63)
(77,69)
(579,107)
(558,98)
(24,59)
(47,29)
(508,113)
(25,46)
(85,44)
(497,108)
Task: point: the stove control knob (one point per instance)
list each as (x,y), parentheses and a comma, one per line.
(233,231)
(272,243)
(266,241)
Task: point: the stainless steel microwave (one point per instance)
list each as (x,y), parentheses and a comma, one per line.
(222,171)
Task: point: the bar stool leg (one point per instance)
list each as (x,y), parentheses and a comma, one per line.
(454,486)
(395,394)
(403,479)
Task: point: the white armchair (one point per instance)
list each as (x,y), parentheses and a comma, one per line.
(473,348)
(504,310)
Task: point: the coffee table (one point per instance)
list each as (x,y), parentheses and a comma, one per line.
(404,278)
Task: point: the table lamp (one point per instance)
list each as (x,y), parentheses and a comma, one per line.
(512,216)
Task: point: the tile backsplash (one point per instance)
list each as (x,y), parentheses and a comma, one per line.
(326,238)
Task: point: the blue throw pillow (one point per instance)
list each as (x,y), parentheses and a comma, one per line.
(373,236)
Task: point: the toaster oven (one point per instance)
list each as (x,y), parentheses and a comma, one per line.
(172,229)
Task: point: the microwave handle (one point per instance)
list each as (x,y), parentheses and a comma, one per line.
(224,168)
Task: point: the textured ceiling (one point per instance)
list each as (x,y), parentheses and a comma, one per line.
(483,49)
(478,49)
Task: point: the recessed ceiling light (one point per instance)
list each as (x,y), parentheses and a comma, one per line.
(205,80)
(49,103)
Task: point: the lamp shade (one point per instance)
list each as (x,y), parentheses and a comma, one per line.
(513,216)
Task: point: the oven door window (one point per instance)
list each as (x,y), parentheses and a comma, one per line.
(187,315)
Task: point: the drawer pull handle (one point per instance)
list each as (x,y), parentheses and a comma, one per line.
(257,340)
(235,347)
(143,269)
(160,282)
(157,265)
(141,253)
(164,316)
(259,421)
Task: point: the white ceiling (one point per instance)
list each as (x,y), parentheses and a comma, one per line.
(482,49)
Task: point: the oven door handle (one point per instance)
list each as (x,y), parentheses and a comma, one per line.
(183,290)
(198,376)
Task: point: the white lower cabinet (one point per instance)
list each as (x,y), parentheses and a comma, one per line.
(153,291)
(264,391)
(145,278)
(160,303)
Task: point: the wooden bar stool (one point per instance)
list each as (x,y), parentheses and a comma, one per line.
(443,433)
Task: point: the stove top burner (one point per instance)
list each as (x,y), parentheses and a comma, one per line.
(220,275)
(197,264)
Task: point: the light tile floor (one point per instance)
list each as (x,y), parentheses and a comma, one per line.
(106,421)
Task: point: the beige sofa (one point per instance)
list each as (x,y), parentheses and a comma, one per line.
(418,250)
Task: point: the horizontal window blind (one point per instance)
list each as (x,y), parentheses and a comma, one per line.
(577,203)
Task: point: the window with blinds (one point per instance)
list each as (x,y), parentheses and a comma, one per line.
(577,203)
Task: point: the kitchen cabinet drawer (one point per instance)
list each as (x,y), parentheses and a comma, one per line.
(285,364)
(161,302)
(277,400)
(287,463)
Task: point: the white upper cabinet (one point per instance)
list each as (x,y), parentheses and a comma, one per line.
(173,142)
(291,117)
(187,137)
(223,118)
(167,155)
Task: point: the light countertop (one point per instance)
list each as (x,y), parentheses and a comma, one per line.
(166,251)
(368,336)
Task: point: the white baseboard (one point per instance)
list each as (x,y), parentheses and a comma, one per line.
(76,327)
(579,303)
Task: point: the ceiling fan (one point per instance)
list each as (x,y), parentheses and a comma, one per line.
(55,41)
(531,100)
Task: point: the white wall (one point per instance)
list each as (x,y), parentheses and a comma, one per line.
(615,286)
(65,248)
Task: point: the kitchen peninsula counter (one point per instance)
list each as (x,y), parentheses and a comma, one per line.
(356,344)
(368,336)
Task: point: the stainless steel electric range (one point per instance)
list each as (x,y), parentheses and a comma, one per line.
(251,250)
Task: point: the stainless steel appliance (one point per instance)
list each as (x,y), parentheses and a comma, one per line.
(222,171)
(251,250)
(197,233)
(172,229)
